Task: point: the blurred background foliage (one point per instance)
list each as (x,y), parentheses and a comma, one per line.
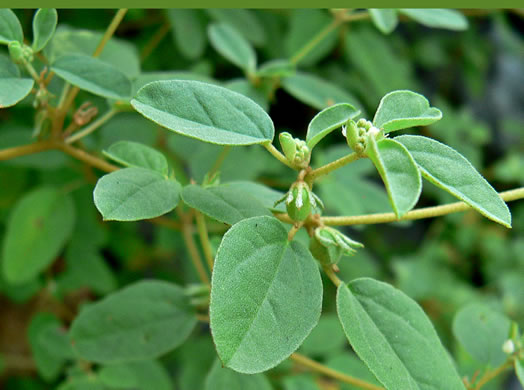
(475,77)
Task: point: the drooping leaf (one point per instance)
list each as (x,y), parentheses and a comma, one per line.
(142,321)
(266,295)
(222,378)
(10,27)
(385,20)
(393,336)
(204,111)
(316,92)
(93,75)
(482,332)
(243,20)
(142,375)
(12,87)
(398,171)
(402,109)
(327,120)
(233,46)
(44,25)
(39,226)
(439,18)
(131,194)
(135,154)
(449,170)
(189,31)
(223,203)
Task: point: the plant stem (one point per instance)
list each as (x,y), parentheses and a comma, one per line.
(191,246)
(490,374)
(315,366)
(32,71)
(88,158)
(92,127)
(220,159)
(17,151)
(355,16)
(313,42)
(324,170)
(331,274)
(154,41)
(204,239)
(426,212)
(279,156)
(110,31)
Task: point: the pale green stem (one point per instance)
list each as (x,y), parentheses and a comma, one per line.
(220,159)
(92,127)
(279,156)
(314,41)
(324,170)
(110,31)
(204,239)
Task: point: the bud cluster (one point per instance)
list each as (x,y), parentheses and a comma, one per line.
(295,150)
(20,53)
(299,201)
(358,133)
(328,245)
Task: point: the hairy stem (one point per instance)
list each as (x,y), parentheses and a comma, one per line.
(17,151)
(204,239)
(324,170)
(328,270)
(320,368)
(279,156)
(426,212)
(87,158)
(191,246)
(92,127)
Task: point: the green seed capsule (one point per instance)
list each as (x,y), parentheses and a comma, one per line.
(298,204)
(326,255)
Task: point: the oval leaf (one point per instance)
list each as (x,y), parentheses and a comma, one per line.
(223,203)
(402,109)
(141,321)
(449,170)
(93,75)
(233,46)
(327,120)
(440,18)
(222,378)
(10,27)
(131,194)
(482,332)
(316,92)
(385,20)
(398,171)
(44,25)
(135,154)
(392,335)
(39,226)
(188,23)
(12,87)
(205,112)
(266,295)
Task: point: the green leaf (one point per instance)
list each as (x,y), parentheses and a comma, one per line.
(39,226)
(300,382)
(242,20)
(449,170)
(385,20)
(327,120)
(10,27)
(143,375)
(247,89)
(276,68)
(44,25)
(266,295)
(93,75)
(135,154)
(326,338)
(142,321)
(131,194)
(223,203)
(233,46)
(189,32)
(53,339)
(403,109)
(48,365)
(314,91)
(348,363)
(398,171)
(519,370)
(482,332)
(12,88)
(439,18)
(267,196)
(205,112)
(222,378)
(392,335)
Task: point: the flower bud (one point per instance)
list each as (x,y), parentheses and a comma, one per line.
(295,150)
(508,347)
(328,245)
(20,53)
(298,204)
(289,147)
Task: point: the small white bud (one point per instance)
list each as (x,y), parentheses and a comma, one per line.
(508,347)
